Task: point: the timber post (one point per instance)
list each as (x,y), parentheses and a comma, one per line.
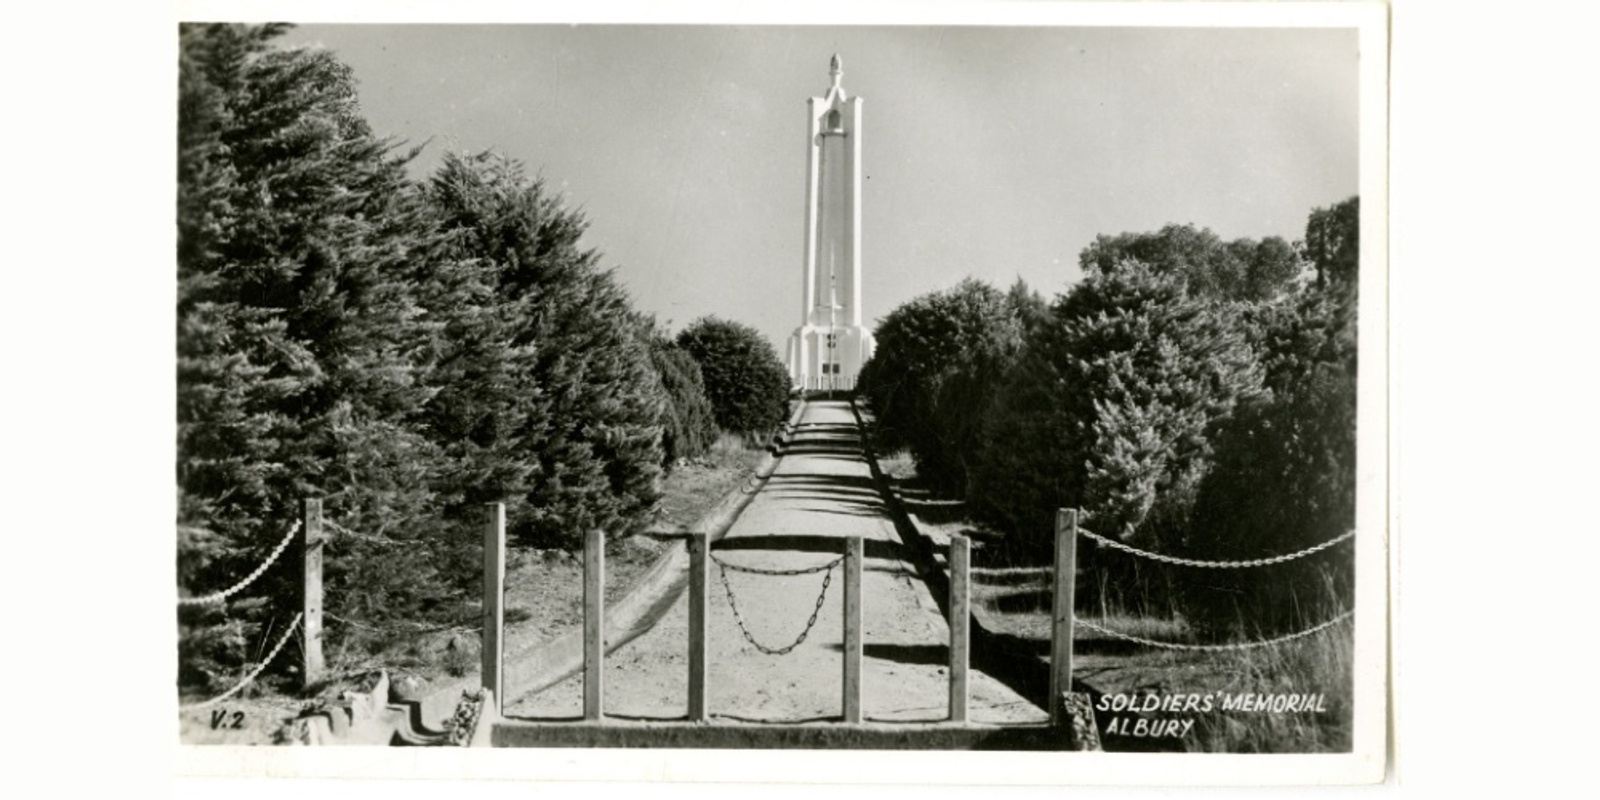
(699,610)
(311,593)
(1066,569)
(494,592)
(594,644)
(960,562)
(853,556)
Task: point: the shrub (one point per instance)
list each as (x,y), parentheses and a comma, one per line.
(747,383)
(1284,478)
(1107,410)
(689,423)
(938,364)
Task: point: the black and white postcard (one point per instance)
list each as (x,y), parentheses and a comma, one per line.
(990,393)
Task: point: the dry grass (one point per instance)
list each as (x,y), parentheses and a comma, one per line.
(1015,600)
(1319,663)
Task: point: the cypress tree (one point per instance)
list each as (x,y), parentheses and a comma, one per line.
(546,399)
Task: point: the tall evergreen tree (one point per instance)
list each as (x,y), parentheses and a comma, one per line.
(296,322)
(546,399)
(1285,471)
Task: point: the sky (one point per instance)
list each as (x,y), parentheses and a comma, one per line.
(992,152)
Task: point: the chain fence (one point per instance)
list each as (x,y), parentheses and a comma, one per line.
(1216,647)
(1191,562)
(218,597)
(722,572)
(1241,564)
(248,679)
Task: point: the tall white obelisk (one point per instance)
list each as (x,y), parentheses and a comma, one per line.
(831,344)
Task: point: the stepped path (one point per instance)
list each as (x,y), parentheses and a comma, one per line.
(822,487)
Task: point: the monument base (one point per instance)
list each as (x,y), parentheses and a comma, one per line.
(814,365)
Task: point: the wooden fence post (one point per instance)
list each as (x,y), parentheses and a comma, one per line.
(699,608)
(1066,569)
(494,593)
(311,592)
(853,556)
(960,562)
(594,605)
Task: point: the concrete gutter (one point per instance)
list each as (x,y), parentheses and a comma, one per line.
(806,736)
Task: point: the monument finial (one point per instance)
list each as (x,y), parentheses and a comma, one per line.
(836,69)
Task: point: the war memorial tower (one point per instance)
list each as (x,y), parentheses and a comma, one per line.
(827,350)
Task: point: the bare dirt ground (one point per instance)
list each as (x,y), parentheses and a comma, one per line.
(822,488)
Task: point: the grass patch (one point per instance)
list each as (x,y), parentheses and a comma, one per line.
(1013,596)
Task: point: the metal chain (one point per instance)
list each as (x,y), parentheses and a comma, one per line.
(1190,562)
(253,673)
(722,572)
(226,593)
(459,727)
(778,572)
(1216,647)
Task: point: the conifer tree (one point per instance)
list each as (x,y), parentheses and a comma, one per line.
(546,397)
(747,384)
(296,319)
(689,423)
(1108,408)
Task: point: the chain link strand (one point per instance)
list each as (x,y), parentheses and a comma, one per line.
(722,572)
(782,573)
(226,593)
(1189,562)
(1215,647)
(253,673)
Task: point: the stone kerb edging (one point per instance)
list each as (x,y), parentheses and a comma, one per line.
(369,718)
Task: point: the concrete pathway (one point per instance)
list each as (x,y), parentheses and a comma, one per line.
(822,487)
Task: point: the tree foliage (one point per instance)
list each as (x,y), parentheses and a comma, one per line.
(939,361)
(547,399)
(1107,409)
(295,323)
(747,383)
(1333,242)
(1284,477)
(1243,269)
(403,351)
(689,422)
